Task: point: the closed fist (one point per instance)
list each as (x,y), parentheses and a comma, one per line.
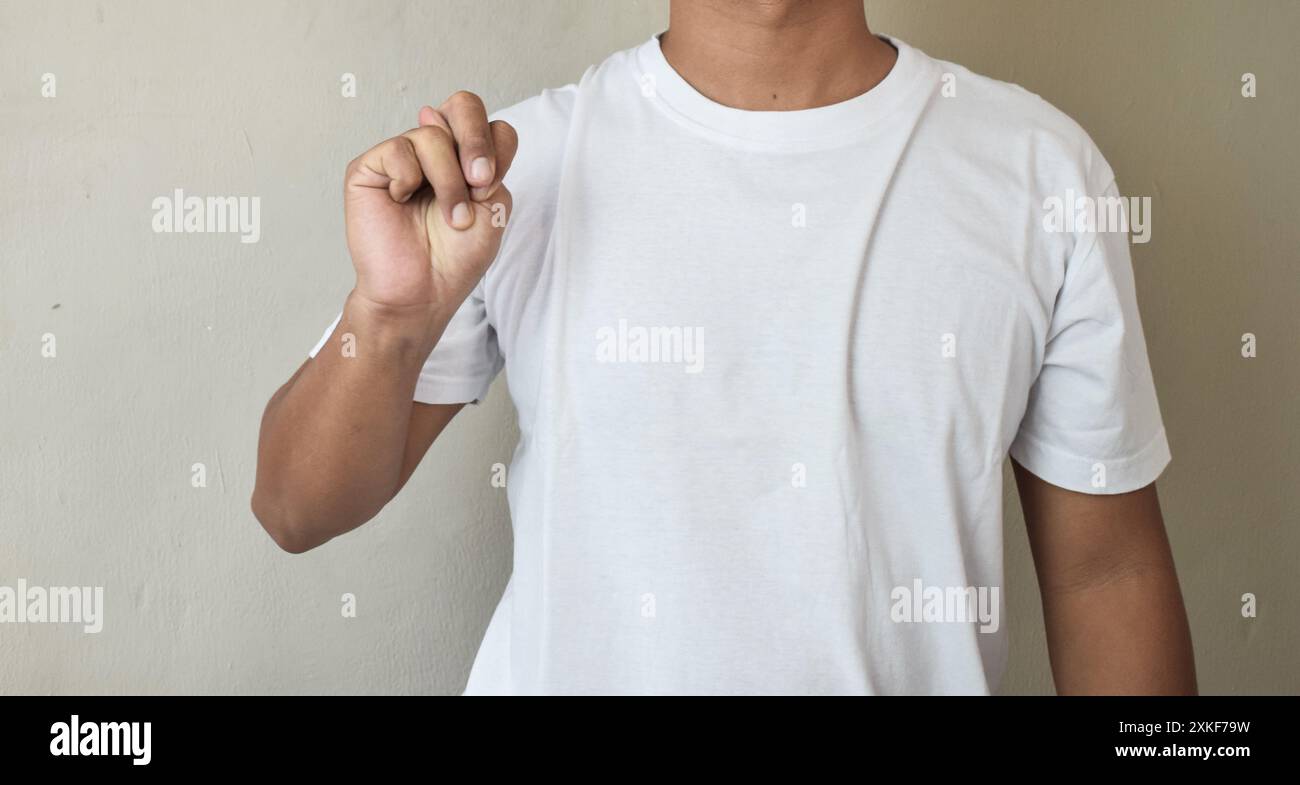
(425,210)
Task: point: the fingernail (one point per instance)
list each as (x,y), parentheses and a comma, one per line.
(460,216)
(480,170)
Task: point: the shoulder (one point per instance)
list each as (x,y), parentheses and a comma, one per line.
(549,110)
(542,125)
(995,119)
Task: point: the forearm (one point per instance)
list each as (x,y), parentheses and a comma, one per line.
(1124,634)
(334,438)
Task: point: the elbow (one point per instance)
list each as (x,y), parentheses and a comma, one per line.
(283,529)
(290,541)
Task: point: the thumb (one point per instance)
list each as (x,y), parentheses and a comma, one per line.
(428,116)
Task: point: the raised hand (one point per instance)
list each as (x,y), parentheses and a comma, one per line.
(425,210)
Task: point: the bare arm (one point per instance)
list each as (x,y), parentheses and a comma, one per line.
(425,213)
(1111,602)
(343,435)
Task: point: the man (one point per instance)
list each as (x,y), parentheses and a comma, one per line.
(777,298)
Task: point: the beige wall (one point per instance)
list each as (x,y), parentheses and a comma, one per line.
(168,345)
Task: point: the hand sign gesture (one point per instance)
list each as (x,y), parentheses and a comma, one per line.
(425,210)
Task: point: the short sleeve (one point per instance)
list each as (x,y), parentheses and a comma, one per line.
(465,361)
(1092,423)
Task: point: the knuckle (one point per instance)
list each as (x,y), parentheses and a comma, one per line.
(464,99)
(475,142)
(502,125)
(431,134)
(402,151)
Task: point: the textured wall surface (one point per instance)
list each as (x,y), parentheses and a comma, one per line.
(166,346)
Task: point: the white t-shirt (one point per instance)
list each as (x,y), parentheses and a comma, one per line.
(768,366)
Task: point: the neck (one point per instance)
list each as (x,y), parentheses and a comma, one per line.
(775,56)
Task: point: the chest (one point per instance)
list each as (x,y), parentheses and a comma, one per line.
(778,296)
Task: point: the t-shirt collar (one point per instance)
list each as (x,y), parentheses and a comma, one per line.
(818,126)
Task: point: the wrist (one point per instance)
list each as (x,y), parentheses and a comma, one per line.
(415,327)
